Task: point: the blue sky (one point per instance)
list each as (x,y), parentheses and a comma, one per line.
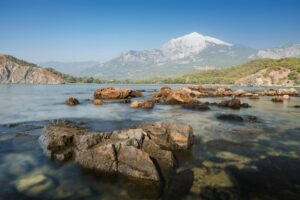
(78,30)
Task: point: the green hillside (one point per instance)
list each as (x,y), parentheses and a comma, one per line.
(232,74)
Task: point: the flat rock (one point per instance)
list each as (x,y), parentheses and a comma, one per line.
(116,93)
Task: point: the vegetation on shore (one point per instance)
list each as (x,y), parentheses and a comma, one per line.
(213,76)
(232,74)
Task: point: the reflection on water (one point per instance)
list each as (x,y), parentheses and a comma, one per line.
(230,160)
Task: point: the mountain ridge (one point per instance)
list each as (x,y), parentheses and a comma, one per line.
(182,55)
(13,70)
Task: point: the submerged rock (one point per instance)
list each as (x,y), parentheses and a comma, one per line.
(196,106)
(116,93)
(133,152)
(72,101)
(230,117)
(233,103)
(34,185)
(233,117)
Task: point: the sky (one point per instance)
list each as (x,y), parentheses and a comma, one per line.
(81,30)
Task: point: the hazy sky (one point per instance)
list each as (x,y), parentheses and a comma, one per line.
(78,30)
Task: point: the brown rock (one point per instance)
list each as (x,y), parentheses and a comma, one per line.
(278,99)
(233,103)
(98,102)
(72,101)
(254,96)
(169,135)
(179,97)
(147,104)
(116,93)
(131,152)
(239,92)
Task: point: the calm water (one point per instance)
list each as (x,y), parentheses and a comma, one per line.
(229,160)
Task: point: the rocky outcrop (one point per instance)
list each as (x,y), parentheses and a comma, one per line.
(116,93)
(179,96)
(267,76)
(213,91)
(14,71)
(138,152)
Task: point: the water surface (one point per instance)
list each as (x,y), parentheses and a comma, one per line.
(243,160)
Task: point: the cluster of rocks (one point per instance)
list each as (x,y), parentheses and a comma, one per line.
(281,92)
(186,96)
(108,93)
(207,91)
(140,152)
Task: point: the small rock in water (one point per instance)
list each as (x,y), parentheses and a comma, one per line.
(286,97)
(134,104)
(296,106)
(147,104)
(254,96)
(98,102)
(72,101)
(278,99)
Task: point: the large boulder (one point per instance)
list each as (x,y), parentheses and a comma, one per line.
(116,93)
(136,152)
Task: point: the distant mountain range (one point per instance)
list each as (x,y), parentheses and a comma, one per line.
(178,56)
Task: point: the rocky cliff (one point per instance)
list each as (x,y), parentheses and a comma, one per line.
(13,70)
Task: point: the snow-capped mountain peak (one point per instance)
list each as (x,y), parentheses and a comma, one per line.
(190,44)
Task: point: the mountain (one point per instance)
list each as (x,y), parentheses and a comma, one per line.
(289,50)
(177,56)
(13,70)
(72,68)
(264,71)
